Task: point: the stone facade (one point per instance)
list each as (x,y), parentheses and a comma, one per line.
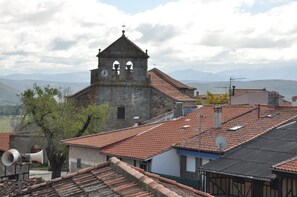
(122,80)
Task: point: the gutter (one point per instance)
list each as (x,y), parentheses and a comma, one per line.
(237,175)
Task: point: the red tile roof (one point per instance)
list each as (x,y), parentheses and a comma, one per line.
(168,86)
(169,79)
(112,178)
(107,138)
(238,92)
(157,138)
(287,166)
(253,127)
(4,141)
(170,133)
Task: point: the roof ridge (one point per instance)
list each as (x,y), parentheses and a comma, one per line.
(146,182)
(106,132)
(161,74)
(66,176)
(284,162)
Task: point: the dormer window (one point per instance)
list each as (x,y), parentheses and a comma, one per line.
(116,67)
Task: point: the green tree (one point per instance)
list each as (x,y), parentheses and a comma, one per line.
(216,99)
(58,118)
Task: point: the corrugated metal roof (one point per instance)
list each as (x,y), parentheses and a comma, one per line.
(255,159)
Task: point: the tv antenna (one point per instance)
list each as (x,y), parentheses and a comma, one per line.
(230,85)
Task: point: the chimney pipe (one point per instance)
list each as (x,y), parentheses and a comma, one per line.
(217,117)
(178,109)
(258,110)
(233,90)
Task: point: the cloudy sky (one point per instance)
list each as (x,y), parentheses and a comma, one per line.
(57,36)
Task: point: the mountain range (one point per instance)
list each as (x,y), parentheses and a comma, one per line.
(11,85)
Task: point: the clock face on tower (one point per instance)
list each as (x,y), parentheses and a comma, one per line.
(104,73)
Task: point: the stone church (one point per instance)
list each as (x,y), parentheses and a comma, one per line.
(134,94)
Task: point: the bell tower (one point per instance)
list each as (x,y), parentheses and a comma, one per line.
(122,61)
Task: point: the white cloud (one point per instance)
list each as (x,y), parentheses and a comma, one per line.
(64,36)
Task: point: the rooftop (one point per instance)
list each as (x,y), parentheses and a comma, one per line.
(112,178)
(169,86)
(289,165)
(253,126)
(255,159)
(154,139)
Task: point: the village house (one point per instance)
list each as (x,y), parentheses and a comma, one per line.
(146,146)
(257,96)
(111,178)
(286,174)
(198,150)
(9,172)
(262,167)
(133,93)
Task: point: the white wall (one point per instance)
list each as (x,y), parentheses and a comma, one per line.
(251,98)
(88,156)
(166,163)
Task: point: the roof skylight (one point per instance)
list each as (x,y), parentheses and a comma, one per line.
(235,128)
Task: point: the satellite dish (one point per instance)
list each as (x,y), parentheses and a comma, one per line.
(221,143)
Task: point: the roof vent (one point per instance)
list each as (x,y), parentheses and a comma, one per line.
(272,115)
(235,128)
(185,127)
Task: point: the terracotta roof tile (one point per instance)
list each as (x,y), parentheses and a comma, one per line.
(4,141)
(169,79)
(107,138)
(287,166)
(163,137)
(112,178)
(169,86)
(253,127)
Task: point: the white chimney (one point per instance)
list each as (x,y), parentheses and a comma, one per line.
(217,117)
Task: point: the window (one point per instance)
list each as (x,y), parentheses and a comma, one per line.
(116,67)
(191,164)
(129,66)
(121,112)
(78,163)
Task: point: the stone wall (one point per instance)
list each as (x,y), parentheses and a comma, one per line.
(159,103)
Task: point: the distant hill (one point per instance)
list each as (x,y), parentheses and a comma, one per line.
(10,88)
(203,81)
(77,77)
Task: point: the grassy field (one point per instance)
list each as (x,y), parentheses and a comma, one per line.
(5,124)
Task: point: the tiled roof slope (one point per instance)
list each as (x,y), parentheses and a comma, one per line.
(253,126)
(112,178)
(253,160)
(163,137)
(289,165)
(4,141)
(238,92)
(162,84)
(169,79)
(107,138)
